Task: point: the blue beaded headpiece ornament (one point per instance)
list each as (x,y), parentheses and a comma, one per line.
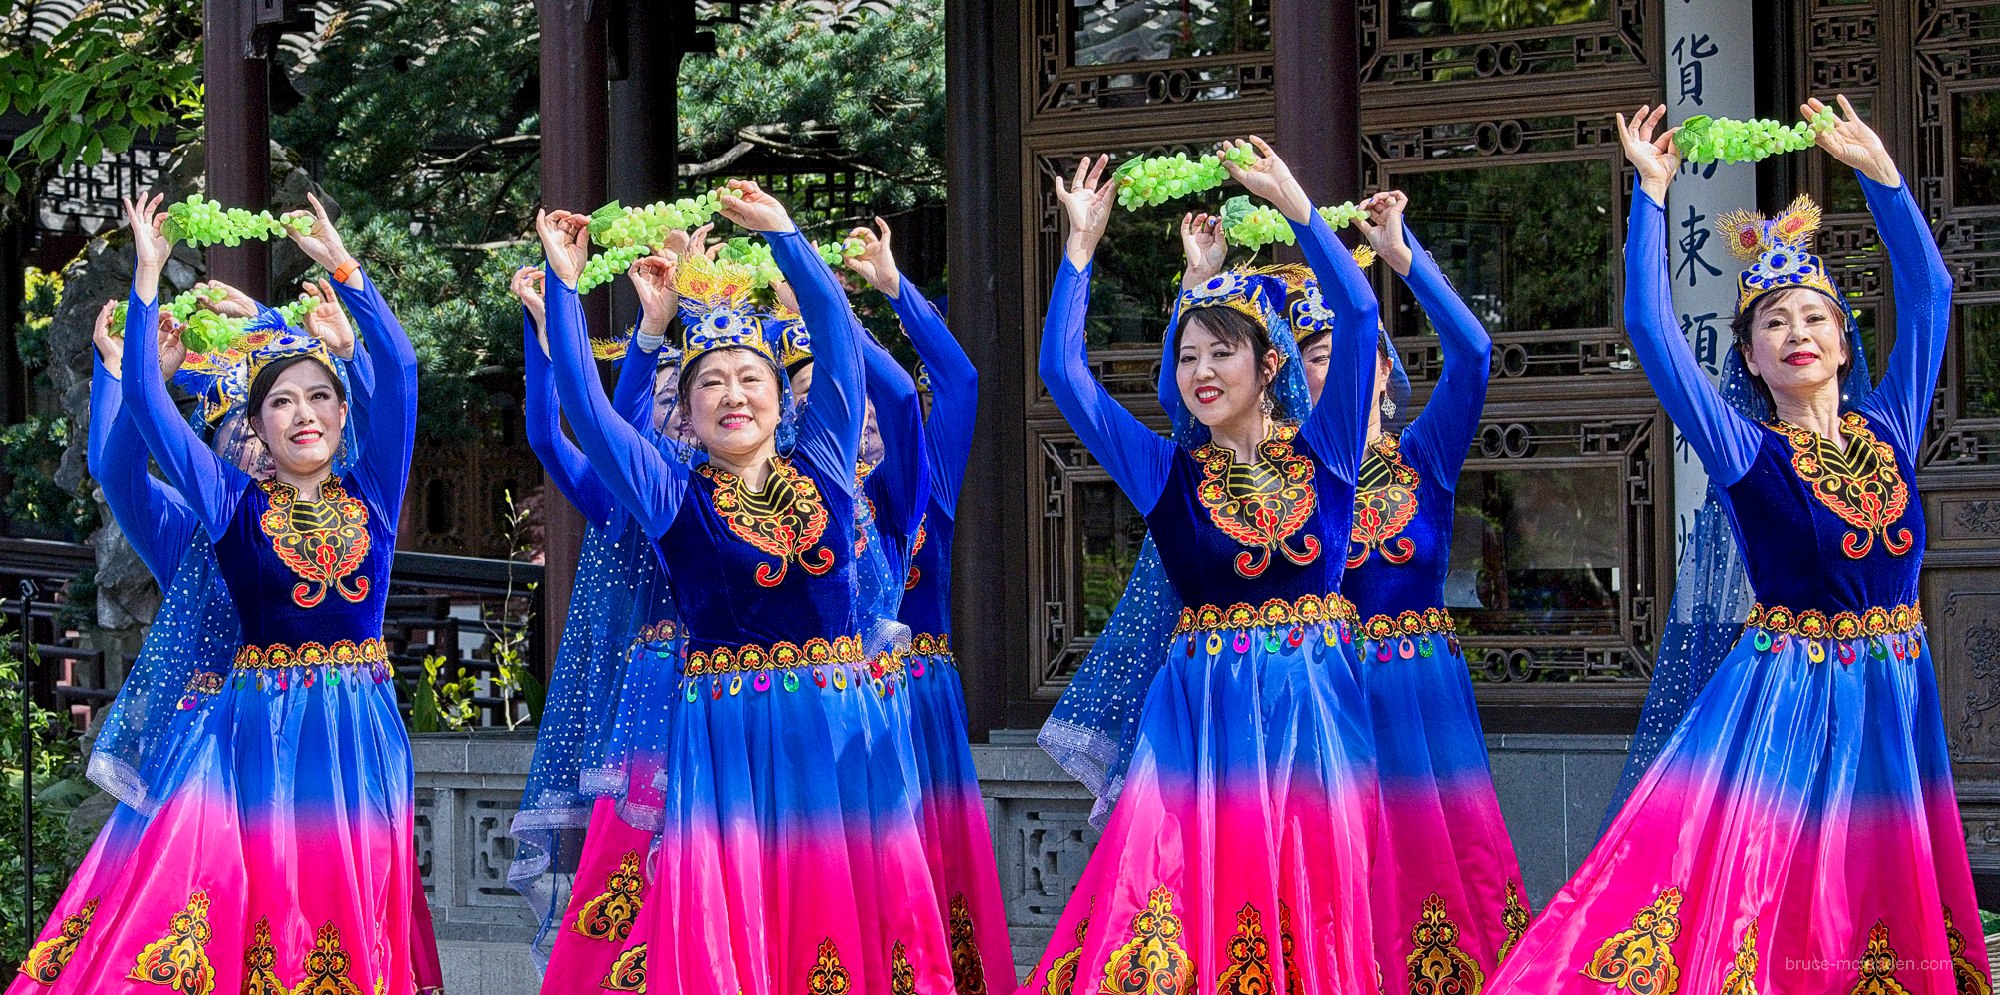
(1310,317)
(716,309)
(1779,251)
(788,331)
(1261,297)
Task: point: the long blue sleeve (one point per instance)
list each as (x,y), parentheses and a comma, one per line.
(954,391)
(903,480)
(632,395)
(1724,441)
(1337,429)
(635,474)
(1922,287)
(1135,456)
(388,426)
(209,486)
(159,525)
(567,466)
(830,426)
(1440,436)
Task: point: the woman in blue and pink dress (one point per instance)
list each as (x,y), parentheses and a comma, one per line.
(1798,832)
(788,859)
(282,857)
(1237,855)
(956,836)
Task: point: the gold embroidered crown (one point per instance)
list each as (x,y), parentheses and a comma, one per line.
(788,330)
(716,310)
(1253,293)
(1305,308)
(222,379)
(1778,250)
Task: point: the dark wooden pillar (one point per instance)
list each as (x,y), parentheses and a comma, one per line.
(237,134)
(647,41)
(574,111)
(983,239)
(1319,96)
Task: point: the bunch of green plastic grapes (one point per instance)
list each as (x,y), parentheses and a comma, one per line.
(1254,227)
(202,223)
(835,254)
(294,312)
(604,267)
(1341,215)
(1151,180)
(615,226)
(755,257)
(1702,139)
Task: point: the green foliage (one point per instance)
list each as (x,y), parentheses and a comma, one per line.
(442,705)
(865,88)
(59,786)
(30,453)
(92,79)
(38,311)
(507,630)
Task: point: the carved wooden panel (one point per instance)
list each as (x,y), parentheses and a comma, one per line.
(1145,57)
(1489,51)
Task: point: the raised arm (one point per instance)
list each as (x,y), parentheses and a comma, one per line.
(1337,429)
(1439,437)
(153,517)
(210,486)
(1135,456)
(829,427)
(1724,441)
(903,480)
(567,467)
(648,486)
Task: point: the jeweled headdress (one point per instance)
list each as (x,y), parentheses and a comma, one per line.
(221,380)
(716,310)
(1251,293)
(1778,250)
(787,330)
(1309,315)
(1261,296)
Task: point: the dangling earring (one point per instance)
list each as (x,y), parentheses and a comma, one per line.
(1388,408)
(1267,405)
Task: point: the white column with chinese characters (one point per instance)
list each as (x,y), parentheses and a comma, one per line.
(1711,70)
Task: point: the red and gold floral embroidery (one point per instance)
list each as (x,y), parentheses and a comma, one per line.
(46,960)
(1306,610)
(1385,504)
(968,975)
(1514,918)
(1061,979)
(902,977)
(628,972)
(1288,943)
(1640,959)
(260,963)
(1438,965)
(1970,980)
(1249,952)
(931,644)
(828,975)
(915,575)
(785,520)
(610,915)
(1263,504)
(1153,961)
(179,961)
(1429,622)
(1742,976)
(1814,624)
(328,966)
(345,653)
(777,656)
(1861,485)
(1878,965)
(322,541)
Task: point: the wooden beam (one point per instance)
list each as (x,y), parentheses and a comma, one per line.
(574,117)
(236,125)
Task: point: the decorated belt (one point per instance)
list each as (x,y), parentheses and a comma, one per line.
(752,657)
(931,644)
(283,656)
(656,633)
(1889,630)
(1310,609)
(836,663)
(1400,635)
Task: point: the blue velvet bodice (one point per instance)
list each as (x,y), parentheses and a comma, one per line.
(1400,548)
(1825,533)
(1233,533)
(306,572)
(927,587)
(762,568)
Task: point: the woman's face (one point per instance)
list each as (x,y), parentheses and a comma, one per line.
(1798,342)
(734,402)
(666,396)
(872,449)
(1317,353)
(1221,381)
(301,420)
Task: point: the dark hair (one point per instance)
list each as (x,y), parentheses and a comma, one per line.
(1229,325)
(267,378)
(1740,329)
(690,367)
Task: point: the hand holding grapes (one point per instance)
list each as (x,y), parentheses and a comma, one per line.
(1086,199)
(1654,156)
(1855,143)
(565,241)
(225,300)
(876,262)
(321,243)
(1268,177)
(1383,226)
(1205,247)
(327,322)
(659,301)
(748,206)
